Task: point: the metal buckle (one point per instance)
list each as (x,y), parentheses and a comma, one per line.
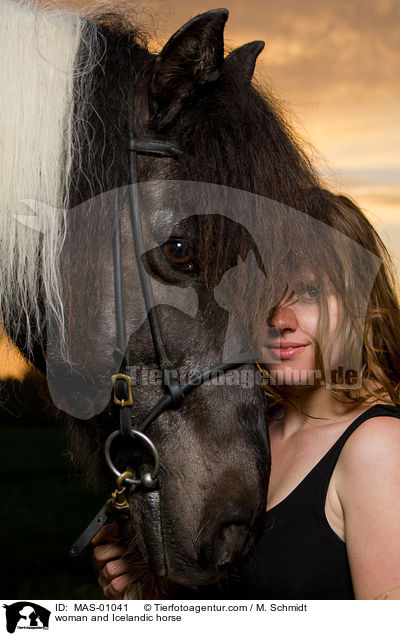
(129,400)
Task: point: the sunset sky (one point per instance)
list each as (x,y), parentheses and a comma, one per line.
(336,66)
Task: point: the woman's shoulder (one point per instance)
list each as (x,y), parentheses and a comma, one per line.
(380,429)
(371,455)
(380,432)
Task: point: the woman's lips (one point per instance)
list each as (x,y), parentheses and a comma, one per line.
(287,350)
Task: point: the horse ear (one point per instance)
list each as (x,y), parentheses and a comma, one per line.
(192,57)
(244,59)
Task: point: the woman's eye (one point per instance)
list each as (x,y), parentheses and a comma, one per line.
(310,292)
(178,254)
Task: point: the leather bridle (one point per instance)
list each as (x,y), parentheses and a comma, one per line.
(122,394)
(175,392)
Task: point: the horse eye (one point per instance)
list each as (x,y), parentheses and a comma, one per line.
(178,254)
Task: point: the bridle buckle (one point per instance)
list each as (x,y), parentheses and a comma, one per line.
(122,394)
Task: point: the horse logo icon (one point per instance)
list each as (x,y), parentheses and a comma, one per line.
(26,615)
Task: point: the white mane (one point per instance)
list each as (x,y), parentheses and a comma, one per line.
(38,51)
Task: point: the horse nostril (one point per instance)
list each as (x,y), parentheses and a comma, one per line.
(225,535)
(230,543)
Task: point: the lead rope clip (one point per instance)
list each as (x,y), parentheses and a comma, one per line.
(118,501)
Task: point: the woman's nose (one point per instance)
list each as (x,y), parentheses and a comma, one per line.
(283,318)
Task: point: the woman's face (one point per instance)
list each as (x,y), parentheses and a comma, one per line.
(288,342)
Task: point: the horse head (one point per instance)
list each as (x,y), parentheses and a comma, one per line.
(203,213)
(213,449)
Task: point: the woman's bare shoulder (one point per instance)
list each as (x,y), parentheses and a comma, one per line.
(370,459)
(375,435)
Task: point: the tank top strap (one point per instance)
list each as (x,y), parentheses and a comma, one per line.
(325,468)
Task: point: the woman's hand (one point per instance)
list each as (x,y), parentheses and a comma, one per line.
(114,563)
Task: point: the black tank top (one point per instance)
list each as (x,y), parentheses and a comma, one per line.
(298,555)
